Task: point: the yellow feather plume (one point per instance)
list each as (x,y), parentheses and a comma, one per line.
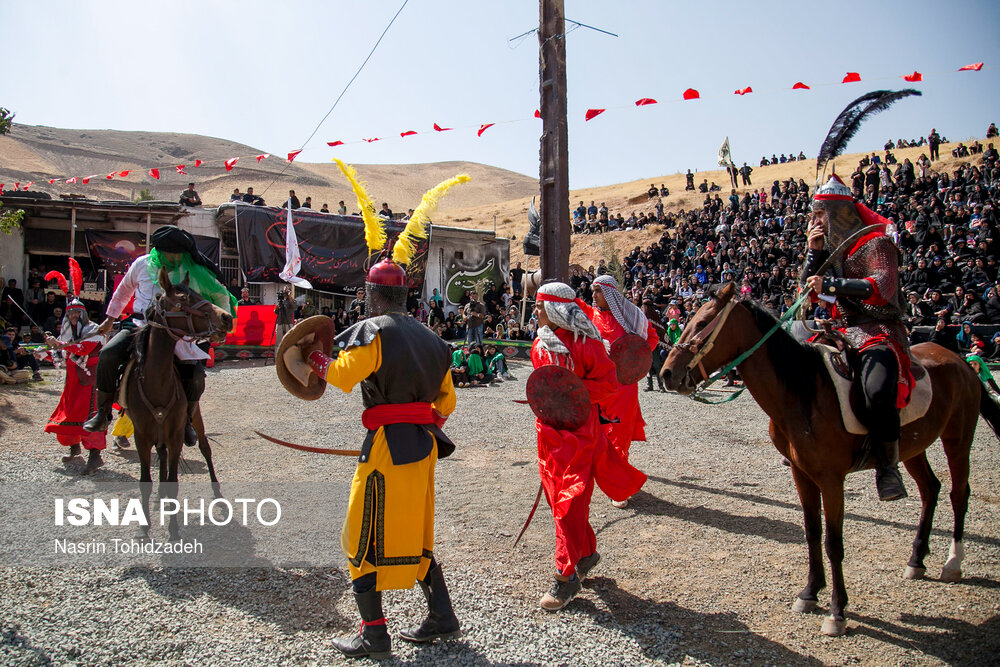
(416,228)
(374,226)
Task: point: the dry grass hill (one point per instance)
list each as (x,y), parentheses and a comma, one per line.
(494,197)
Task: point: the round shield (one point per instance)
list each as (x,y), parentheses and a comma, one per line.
(323,327)
(632,358)
(558,397)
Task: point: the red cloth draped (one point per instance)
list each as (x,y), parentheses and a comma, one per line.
(254,326)
(76,402)
(570,461)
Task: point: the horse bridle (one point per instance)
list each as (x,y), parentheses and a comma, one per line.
(701,344)
(186,314)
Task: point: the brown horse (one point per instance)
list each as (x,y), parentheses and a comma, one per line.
(154,394)
(788,380)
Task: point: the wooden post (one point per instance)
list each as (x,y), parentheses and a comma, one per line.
(553,149)
(72,232)
(149,223)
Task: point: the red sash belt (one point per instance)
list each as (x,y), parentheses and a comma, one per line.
(400,413)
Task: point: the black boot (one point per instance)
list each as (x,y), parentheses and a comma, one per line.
(98,421)
(94,461)
(74,451)
(373,640)
(888,481)
(441,622)
(190,435)
(649,383)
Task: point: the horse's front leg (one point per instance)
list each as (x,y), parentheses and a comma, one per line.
(145,482)
(835,624)
(206,449)
(810,499)
(174,456)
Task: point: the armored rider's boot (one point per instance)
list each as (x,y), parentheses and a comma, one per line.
(98,421)
(888,481)
(373,640)
(441,622)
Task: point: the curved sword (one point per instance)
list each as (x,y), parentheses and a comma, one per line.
(531,515)
(314,450)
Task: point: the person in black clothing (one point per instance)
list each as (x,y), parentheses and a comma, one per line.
(745,172)
(934,141)
(690,181)
(12,293)
(293,199)
(251,198)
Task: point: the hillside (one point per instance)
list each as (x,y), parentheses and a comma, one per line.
(494,197)
(36,153)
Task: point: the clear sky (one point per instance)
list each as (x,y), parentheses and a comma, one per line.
(265,73)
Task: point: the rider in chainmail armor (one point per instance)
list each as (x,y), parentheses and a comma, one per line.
(864,279)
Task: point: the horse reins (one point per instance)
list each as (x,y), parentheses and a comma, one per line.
(187,314)
(713,330)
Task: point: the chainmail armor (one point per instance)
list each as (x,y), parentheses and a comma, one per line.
(382,299)
(877,259)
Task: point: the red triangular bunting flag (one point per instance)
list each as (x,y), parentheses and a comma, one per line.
(293,154)
(198,163)
(538,114)
(230,163)
(407,133)
(180,170)
(110,176)
(743,91)
(52,180)
(262,156)
(483,128)
(373,139)
(1,188)
(593,113)
(691,94)
(974,67)
(438,128)
(644,101)
(86,179)
(155,173)
(335,143)
(800,86)
(71,180)
(17,186)
(28,185)
(916,76)
(851,77)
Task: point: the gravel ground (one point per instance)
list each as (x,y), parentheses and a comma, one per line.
(701,568)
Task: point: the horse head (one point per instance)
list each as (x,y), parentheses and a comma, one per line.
(701,349)
(182,312)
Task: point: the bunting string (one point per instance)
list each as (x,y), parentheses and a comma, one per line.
(689,94)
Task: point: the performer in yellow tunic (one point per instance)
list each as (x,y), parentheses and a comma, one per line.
(403,370)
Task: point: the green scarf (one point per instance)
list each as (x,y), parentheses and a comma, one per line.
(475,364)
(984,372)
(201,279)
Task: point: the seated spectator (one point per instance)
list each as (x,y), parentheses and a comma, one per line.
(236,196)
(190,197)
(943,337)
(324,208)
(496,364)
(251,198)
(963,339)
(246,299)
(53,323)
(14,357)
(652,192)
(308,203)
(476,367)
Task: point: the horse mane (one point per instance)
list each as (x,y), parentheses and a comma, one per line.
(797,365)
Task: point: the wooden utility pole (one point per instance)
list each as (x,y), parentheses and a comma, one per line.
(554,150)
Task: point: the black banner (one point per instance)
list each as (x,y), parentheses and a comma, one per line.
(115,251)
(332,248)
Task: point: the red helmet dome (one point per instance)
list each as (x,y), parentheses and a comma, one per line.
(387,273)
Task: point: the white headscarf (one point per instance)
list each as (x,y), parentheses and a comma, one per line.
(629,315)
(565,314)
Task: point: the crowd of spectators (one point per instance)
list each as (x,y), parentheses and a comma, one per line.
(946,225)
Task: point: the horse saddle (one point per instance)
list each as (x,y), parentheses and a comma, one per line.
(122,393)
(841,372)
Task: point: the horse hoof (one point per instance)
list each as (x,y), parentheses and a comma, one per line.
(950,575)
(834,627)
(914,572)
(801,606)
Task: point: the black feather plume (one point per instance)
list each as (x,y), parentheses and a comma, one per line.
(850,119)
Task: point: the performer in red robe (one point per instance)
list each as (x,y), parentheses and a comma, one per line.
(615,316)
(81,344)
(570,461)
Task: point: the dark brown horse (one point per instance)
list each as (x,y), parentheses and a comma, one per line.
(789,382)
(154,394)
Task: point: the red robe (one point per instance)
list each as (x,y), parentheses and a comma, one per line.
(624,403)
(570,461)
(77,401)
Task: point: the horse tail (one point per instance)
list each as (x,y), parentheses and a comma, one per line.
(989,409)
